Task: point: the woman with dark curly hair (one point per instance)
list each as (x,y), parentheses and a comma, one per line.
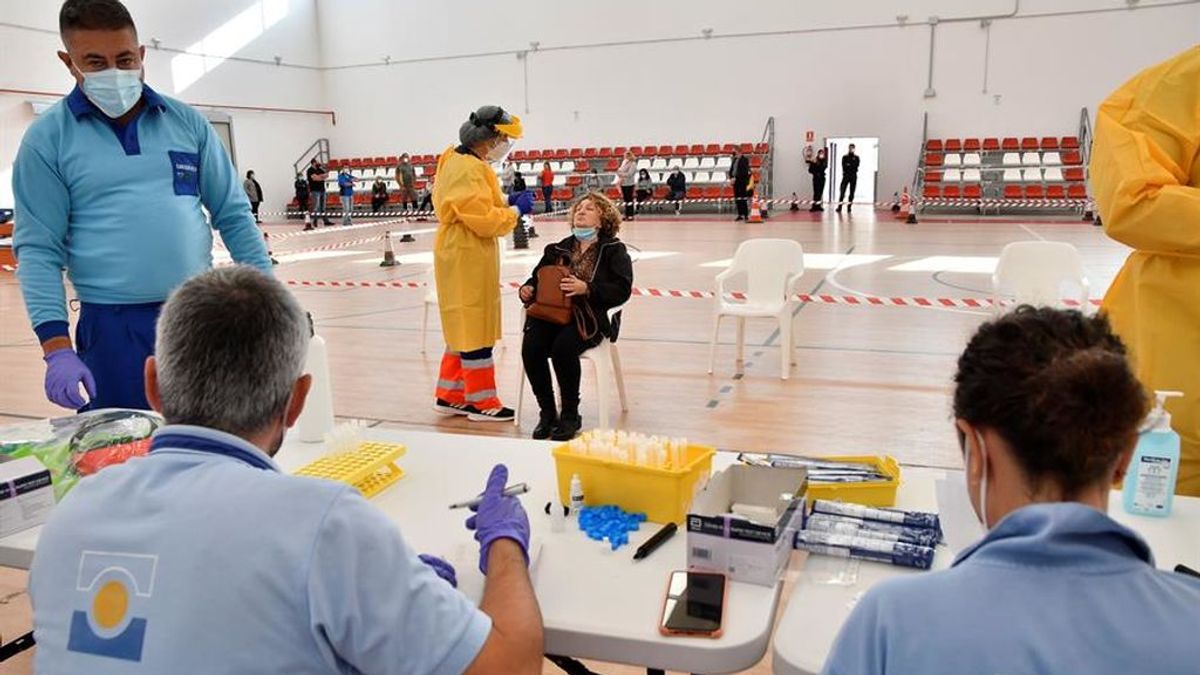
(1047,412)
(601,278)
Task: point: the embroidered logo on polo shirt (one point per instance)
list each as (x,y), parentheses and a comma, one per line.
(116,588)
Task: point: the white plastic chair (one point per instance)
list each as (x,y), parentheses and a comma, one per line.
(951,176)
(1011,159)
(1012,175)
(1054,175)
(659,164)
(643,164)
(724,163)
(971,159)
(773,268)
(953,159)
(567,166)
(605,359)
(1033,175)
(1034,272)
(1051,158)
(707,163)
(560,180)
(692,163)
(1031,159)
(972,175)
(720,177)
(700,177)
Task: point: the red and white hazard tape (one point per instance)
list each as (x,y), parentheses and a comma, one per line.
(1019,203)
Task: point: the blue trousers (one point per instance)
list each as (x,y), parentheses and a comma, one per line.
(114,341)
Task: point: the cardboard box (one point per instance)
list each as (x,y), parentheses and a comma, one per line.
(26,495)
(745,550)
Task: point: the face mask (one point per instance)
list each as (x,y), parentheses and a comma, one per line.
(500,150)
(114,91)
(584,233)
(962,524)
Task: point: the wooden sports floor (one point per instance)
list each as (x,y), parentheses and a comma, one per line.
(867,379)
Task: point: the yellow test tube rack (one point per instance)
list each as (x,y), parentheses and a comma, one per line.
(371,467)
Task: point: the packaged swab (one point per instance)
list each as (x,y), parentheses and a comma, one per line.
(865,548)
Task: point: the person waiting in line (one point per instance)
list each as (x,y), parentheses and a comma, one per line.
(601,278)
(426,199)
(299,573)
(592,182)
(518,185)
(472,213)
(379,194)
(645,188)
(317,174)
(300,189)
(547,182)
(507,176)
(406,178)
(850,162)
(740,176)
(627,177)
(254,193)
(346,183)
(1047,412)
(677,182)
(818,166)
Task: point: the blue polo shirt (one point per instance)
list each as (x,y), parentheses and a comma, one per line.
(203,558)
(122,208)
(1053,588)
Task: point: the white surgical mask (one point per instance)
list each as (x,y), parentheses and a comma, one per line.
(584,233)
(114,91)
(962,523)
(499,151)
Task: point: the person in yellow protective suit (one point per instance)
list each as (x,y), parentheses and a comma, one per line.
(1145,176)
(472,213)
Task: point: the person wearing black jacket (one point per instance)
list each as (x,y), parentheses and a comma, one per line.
(817,167)
(301,187)
(740,172)
(379,194)
(601,278)
(677,182)
(849,179)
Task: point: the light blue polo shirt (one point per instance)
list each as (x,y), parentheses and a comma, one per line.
(1053,588)
(203,558)
(122,209)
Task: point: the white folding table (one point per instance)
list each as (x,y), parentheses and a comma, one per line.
(817,609)
(596,603)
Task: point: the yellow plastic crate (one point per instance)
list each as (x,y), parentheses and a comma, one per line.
(371,468)
(664,495)
(881,493)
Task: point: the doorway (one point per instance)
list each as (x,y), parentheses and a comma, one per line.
(867,149)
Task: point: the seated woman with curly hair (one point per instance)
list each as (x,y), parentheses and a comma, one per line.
(601,277)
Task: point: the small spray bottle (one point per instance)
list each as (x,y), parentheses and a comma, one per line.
(1150,481)
(576,494)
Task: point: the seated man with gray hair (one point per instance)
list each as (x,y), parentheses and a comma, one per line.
(203,557)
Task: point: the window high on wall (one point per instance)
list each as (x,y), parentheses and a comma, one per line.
(226,40)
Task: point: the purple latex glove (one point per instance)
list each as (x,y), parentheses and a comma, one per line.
(64,373)
(498,517)
(523,201)
(442,568)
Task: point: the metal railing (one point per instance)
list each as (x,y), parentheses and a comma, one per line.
(319,149)
(768,167)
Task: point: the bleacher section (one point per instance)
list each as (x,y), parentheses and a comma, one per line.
(706,167)
(1001,174)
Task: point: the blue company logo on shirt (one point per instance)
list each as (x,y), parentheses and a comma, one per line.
(114,584)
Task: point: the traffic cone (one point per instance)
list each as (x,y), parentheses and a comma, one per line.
(756,210)
(389,256)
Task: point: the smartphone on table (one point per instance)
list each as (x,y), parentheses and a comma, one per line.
(695,604)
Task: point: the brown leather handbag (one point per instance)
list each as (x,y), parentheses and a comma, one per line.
(550,303)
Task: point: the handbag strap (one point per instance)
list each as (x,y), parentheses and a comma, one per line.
(586,322)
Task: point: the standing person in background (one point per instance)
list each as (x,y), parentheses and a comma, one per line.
(850,163)
(547,182)
(346,189)
(317,173)
(379,194)
(817,167)
(518,184)
(112,183)
(301,188)
(254,193)
(1145,177)
(627,176)
(472,213)
(645,188)
(426,199)
(677,182)
(406,177)
(507,176)
(739,173)
(591,181)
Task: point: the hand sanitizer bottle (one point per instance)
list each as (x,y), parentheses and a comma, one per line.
(1150,481)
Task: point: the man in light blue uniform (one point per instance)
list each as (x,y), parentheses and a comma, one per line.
(110,183)
(203,558)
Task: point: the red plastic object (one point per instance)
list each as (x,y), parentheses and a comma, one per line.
(93,460)
(953,145)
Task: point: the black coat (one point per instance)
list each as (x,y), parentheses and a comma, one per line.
(677,181)
(850,165)
(818,166)
(611,283)
(741,173)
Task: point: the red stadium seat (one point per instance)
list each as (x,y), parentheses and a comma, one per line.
(1070,142)
(1029,143)
(933,159)
(612,165)
(1034,192)
(534,154)
(574,180)
(660,192)
(356,162)
(1077,191)
(971,145)
(712,149)
(694,192)
(746,148)
(1072,158)
(605,152)
(728,148)
(712,192)
(561,154)
(951,192)
(1012,192)
(680,150)
(727,192)
(576,153)
(1056,192)
(932,191)
(668,151)
(1010,143)
(564,194)
(972,191)
(933,176)
(618,151)
(582,165)
(990,144)
(612,193)
(591,153)
(696,150)
(762,148)
(393,160)
(1049,143)
(953,145)
(637,150)
(934,145)
(756,161)
(1073,174)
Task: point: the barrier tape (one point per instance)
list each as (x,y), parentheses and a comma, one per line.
(807,298)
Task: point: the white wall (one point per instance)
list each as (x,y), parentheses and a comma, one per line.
(863,82)
(267,142)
